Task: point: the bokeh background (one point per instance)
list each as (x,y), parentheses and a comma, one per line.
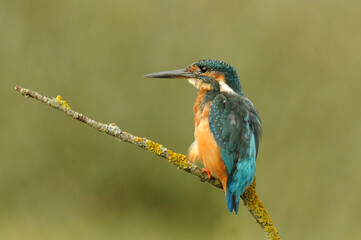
(299,63)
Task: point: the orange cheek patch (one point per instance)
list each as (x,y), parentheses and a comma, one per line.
(217,76)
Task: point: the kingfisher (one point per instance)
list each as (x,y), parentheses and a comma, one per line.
(227,125)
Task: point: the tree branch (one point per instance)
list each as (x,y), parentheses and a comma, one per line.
(249,197)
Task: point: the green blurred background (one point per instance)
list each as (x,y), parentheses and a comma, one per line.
(299,62)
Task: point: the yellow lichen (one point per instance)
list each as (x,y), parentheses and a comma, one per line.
(138,139)
(63,103)
(174,158)
(178,159)
(154,147)
(258,210)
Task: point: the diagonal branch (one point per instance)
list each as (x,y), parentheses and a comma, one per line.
(249,197)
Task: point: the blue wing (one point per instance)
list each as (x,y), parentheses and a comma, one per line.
(236,127)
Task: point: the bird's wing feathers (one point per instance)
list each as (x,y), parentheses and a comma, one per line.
(232,120)
(236,127)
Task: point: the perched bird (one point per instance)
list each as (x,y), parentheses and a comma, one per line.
(227,125)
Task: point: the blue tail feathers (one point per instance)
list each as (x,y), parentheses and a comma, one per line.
(241,177)
(232,200)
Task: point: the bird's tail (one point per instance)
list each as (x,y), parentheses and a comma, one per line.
(232,199)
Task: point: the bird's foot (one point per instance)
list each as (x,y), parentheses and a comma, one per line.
(208,172)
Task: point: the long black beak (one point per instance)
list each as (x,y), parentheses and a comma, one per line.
(180,73)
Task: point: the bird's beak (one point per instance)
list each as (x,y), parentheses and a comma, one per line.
(180,73)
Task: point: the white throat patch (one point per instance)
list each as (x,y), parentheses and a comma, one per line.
(225,88)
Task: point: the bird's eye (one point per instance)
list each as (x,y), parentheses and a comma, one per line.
(204,69)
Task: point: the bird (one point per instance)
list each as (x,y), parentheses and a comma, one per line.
(227,125)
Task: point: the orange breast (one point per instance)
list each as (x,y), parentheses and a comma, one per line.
(197,108)
(205,147)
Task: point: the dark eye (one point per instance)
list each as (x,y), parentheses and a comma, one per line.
(204,69)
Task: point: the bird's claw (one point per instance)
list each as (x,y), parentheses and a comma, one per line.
(208,173)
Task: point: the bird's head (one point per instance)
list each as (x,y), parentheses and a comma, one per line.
(209,75)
